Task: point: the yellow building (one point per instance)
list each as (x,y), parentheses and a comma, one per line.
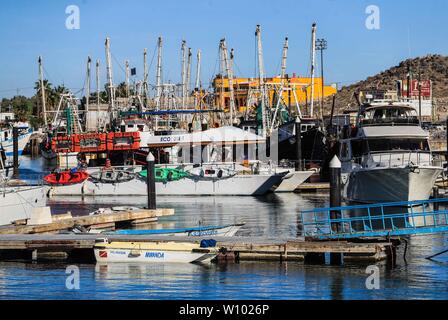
(296,89)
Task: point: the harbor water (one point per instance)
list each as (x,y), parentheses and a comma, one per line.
(273,216)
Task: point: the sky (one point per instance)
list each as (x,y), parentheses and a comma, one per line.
(29,28)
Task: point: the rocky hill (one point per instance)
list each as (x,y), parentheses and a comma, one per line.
(433,67)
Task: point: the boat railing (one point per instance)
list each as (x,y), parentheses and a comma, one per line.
(399,158)
(393,121)
(376,220)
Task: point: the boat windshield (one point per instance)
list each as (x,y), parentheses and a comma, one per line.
(389,114)
(361,147)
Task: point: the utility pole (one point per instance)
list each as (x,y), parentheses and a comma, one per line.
(127,78)
(159,72)
(313,63)
(321,44)
(261,80)
(110,80)
(42,91)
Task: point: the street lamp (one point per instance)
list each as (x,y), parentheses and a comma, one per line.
(321,44)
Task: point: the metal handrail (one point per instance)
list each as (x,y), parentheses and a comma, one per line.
(321,221)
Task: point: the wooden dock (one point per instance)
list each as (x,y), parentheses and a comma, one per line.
(313,187)
(109,220)
(80,247)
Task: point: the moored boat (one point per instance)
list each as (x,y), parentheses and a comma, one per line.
(200,231)
(155,251)
(387,158)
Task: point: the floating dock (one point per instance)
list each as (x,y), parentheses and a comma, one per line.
(80,247)
(113,220)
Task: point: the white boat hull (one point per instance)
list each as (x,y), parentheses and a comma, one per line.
(17,203)
(293,180)
(8,145)
(151,256)
(247,185)
(390,184)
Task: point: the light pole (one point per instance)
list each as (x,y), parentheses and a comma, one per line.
(321,44)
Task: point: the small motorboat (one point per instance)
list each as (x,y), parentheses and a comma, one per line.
(112,176)
(166,174)
(66,178)
(200,231)
(155,251)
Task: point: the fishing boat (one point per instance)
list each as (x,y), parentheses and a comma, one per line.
(6,138)
(66,178)
(387,157)
(6,166)
(112,176)
(155,252)
(200,231)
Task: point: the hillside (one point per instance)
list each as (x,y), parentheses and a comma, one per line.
(433,67)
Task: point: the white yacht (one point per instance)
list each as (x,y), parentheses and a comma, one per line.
(386,157)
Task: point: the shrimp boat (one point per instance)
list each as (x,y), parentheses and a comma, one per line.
(387,157)
(154,251)
(200,231)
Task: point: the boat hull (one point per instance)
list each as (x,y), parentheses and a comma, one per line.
(224,231)
(390,184)
(244,185)
(17,203)
(293,180)
(23,140)
(151,256)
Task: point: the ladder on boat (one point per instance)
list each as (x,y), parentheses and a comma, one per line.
(376,220)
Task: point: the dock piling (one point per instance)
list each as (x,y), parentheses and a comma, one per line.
(335,202)
(150,182)
(435,195)
(298,128)
(15,139)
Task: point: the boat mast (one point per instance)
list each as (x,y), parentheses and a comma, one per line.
(261,80)
(42,91)
(284,60)
(313,64)
(187,84)
(183,72)
(145,76)
(159,72)
(98,91)
(110,80)
(229,74)
(89,63)
(198,79)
